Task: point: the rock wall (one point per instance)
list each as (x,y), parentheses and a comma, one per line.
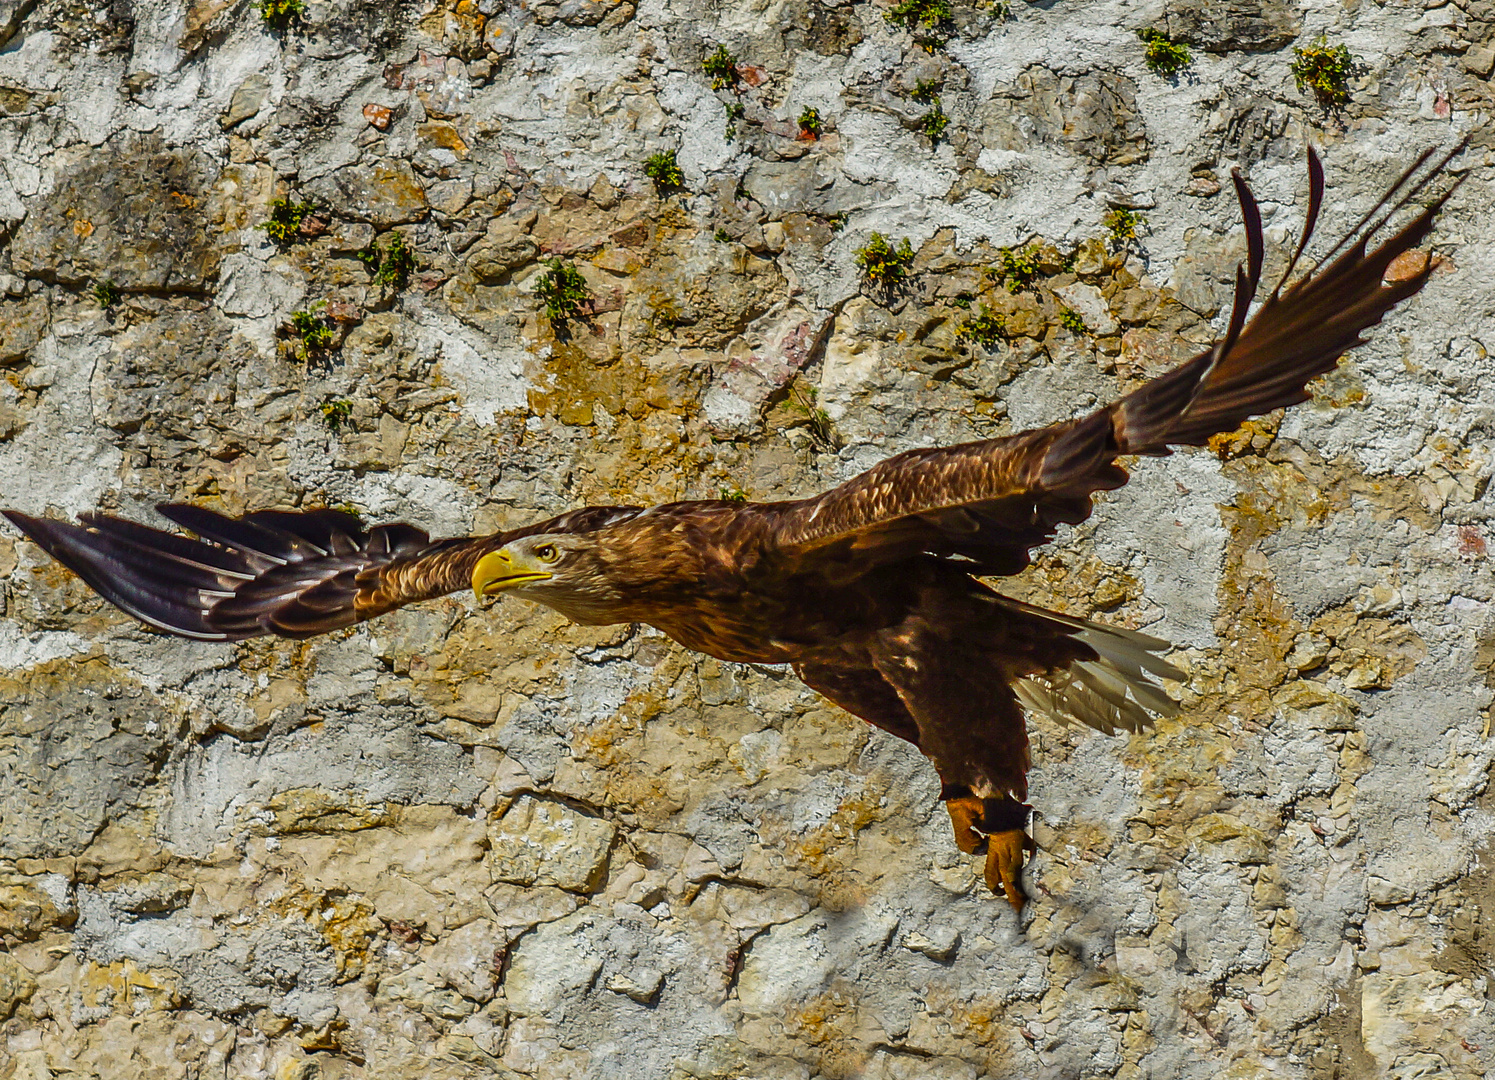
(463,843)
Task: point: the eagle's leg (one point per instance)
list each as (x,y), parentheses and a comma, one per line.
(999,828)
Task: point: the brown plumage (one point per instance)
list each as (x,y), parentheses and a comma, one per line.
(870,590)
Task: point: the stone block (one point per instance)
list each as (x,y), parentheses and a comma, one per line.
(23,323)
(539,842)
(384,193)
(1223,26)
(469,958)
(1480,60)
(246,102)
(551,966)
(134,212)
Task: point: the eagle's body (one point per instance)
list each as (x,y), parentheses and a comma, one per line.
(870,590)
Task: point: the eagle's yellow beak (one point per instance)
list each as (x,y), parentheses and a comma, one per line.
(499,570)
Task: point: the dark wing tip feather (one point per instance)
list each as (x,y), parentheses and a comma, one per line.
(1310,220)
(1018,488)
(1251,215)
(133,578)
(1407,187)
(270,572)
(1299,332)
(274,534)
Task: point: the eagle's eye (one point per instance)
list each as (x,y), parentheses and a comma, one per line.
(547,553)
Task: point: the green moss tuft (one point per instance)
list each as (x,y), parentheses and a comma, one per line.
(1163,56)
(802,402)
(285,221)
(1325,71)
(391,264)
(926,91)
(396,263)
(1018,269)
(664,171)
(934,122)
(282,14)
(336,412)
(564,291)
(928,20)
(105,293)
(985,329)
(734,113)
(314,330)
(1121,226)
(721,69)
(883,264)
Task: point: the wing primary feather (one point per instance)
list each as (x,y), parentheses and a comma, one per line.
(188,552)
(1251,215)
(1310,219)
(79,549)
(1240,307)
(1363,230)
(1354,233)
(239,535)
(162,566)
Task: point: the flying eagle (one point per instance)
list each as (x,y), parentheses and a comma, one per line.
(872,591)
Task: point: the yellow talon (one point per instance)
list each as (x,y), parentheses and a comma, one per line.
(1005,853)
(1005,850)
(965,813)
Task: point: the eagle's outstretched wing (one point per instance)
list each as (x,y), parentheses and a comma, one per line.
(270,572)
(992,501)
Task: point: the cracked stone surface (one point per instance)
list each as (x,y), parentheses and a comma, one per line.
(455,843)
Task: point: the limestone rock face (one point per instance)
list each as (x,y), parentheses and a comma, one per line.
(135,213)
(543,843)
(383,193)
(1093,115)
(1222,26)
(23,323)
(322,264)
(86,747)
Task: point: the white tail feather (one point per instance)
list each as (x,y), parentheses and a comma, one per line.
(1115,692)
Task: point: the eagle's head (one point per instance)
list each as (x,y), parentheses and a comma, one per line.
(565,571)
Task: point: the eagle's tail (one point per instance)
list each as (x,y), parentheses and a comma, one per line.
(1116,691)
(270,572)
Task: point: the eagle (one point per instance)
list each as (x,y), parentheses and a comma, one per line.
(874,592)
